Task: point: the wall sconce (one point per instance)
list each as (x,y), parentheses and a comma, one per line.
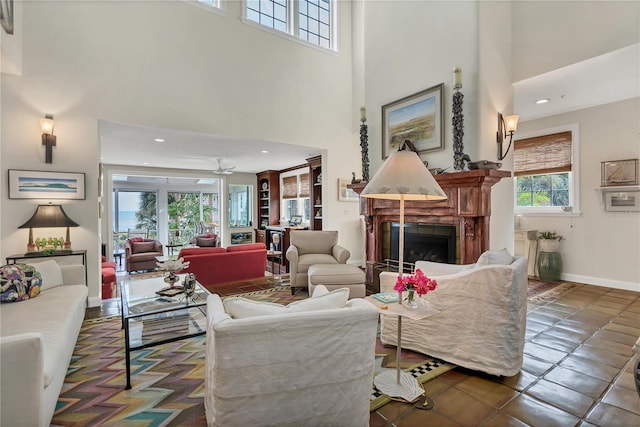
(506,127)
(49,216)
(48,138)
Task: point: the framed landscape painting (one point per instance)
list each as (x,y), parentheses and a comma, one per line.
(45,185)
(418,118)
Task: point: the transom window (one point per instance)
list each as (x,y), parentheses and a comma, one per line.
(308,20)
(545,168)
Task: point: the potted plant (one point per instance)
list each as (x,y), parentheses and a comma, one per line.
(549,241)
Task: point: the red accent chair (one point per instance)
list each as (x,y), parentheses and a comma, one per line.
(108,273)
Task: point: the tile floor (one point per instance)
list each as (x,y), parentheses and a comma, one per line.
(577,371)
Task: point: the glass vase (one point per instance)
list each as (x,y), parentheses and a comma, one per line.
(410,299)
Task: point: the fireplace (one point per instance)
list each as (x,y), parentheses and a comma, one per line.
(422,242)
(467,210)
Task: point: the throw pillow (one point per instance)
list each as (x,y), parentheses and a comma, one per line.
(50,272)
(241,308)
(319,290)
(19,282)
(334,299)
(136,239)
(501,257)
(140,247)
(206,241)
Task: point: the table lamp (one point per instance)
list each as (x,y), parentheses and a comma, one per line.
(403,176)
(49,216)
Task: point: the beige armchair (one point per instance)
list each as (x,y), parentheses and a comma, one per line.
(312,247)
(481,318)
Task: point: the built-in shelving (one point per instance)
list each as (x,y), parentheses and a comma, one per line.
(315,176)
(268,201)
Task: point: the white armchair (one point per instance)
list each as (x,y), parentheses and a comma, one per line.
(312,247)
(302,368)
(482,314)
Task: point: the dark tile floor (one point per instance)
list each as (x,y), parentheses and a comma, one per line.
(577,370)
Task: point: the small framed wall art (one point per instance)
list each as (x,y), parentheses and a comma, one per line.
(346,194)
(619,172)
(418,118)
(46,185)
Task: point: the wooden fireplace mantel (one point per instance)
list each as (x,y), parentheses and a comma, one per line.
(468,206)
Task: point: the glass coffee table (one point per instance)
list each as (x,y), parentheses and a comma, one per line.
(151,319)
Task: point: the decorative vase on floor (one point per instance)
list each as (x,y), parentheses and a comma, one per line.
(549,260)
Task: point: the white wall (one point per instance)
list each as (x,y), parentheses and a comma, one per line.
(168,64)
(600,247)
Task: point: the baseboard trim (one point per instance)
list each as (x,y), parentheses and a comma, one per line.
(600,281)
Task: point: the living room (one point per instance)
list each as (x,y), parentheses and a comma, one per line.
(183,66)
(167,79)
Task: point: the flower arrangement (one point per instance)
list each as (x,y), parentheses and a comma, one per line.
(415,283)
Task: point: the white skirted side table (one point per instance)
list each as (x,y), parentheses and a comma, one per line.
(400,384)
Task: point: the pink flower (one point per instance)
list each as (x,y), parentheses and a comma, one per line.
(418,282)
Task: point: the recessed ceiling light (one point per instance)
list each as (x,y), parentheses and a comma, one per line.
(145,163)
(542,100)
(265,151)
(159,140)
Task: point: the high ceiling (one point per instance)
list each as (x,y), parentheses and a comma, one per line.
(608,78)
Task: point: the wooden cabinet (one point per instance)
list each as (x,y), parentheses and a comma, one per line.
(268,199)
(260,236)
(315,194)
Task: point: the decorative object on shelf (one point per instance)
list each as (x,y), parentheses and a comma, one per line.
(506,127)
(49,216)
(354,180)
(418,117)
(410,288)
(48,138)
(619,172)
(457,121)
(45,185)
(364,145)
(483,164)
(319,178)
(265,186)
(170,267)
(346,194)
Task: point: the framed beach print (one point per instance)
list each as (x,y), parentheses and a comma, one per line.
(418,118)
(346,194)
(46,185)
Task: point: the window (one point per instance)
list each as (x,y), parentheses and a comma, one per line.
(310,20)
(295,195)
(546,172)
(239,205)
(134,210)
(186,210)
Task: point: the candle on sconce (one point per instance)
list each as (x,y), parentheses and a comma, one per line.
(457,78)
(363,114)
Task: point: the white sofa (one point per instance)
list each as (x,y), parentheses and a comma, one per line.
(482,314)
(295,368)
(37,340)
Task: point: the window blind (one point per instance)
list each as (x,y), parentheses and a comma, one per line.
(290,187)
(542,154)
(304,185)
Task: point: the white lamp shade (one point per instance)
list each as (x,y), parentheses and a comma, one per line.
(403,173)
(511,123)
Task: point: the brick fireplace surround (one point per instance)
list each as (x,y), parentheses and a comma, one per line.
(468,207)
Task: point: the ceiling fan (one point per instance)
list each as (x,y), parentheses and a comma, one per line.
(222,170)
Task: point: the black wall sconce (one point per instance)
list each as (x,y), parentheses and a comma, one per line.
(48,138)
(506,127)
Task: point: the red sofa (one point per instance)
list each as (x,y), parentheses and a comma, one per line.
(213,266)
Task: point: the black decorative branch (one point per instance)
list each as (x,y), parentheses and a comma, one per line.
(364,146)
(457,123)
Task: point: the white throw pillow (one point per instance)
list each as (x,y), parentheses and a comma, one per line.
(240,308)
(51,273)
(319,290)
(501,257)
(334,299)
